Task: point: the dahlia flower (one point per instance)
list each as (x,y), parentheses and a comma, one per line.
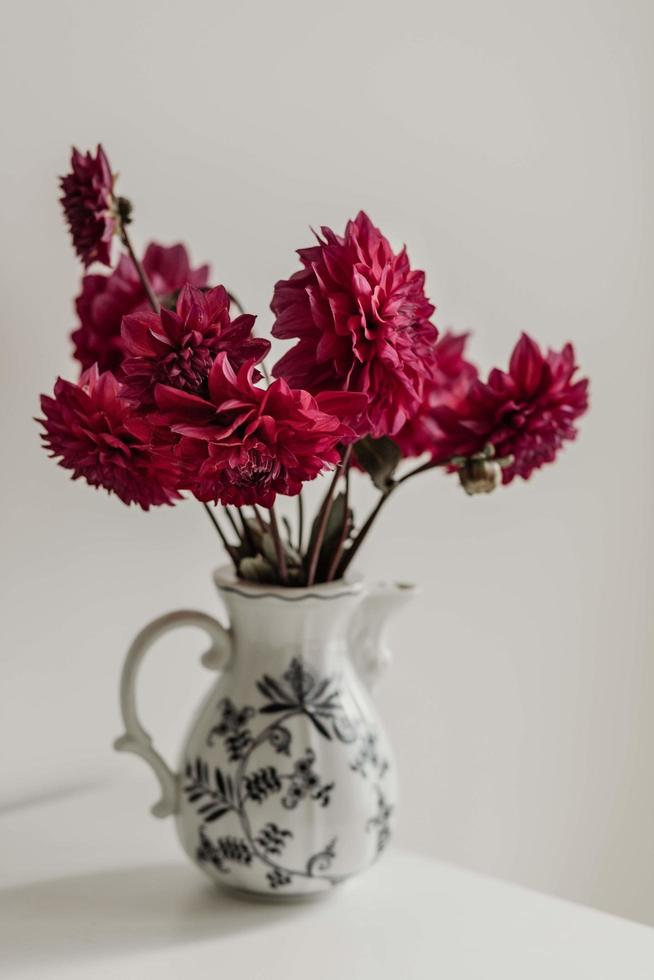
(178,349)
(242,444)
(362,321)
(105,299)
(526,413)
(89,205)
(95,434)
(451,377)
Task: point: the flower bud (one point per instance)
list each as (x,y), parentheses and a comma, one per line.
(480,475)
(124,210)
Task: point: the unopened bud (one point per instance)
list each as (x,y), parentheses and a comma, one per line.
(480,475)
(124,208)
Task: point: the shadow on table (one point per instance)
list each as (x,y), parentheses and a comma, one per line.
(122,911)
(50,795)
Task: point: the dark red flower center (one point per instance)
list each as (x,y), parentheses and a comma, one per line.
(253,469)
(186,368)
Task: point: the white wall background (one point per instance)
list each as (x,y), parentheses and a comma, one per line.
(510,144)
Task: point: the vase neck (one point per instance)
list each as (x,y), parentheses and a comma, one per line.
(270,626)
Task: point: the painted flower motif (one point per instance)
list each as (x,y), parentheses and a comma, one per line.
(178,348)
(106,299)
(305,782)
(242,444)
(96,435)
(363,324)
(526,413)
(319,699)
(300,679)
(450,380)
(89,205)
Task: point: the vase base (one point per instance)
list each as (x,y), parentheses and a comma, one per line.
(275,898)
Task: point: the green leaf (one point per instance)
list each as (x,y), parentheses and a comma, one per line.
(268,548)
(255,535)
(334,522)
(258,569)
(293,560)
(297,576)
(333,533)
(379,458)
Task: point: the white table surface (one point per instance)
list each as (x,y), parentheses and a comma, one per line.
(93,887)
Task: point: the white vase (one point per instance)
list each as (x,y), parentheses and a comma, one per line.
(286,785)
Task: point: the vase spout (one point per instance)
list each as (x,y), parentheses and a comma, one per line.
(369,649)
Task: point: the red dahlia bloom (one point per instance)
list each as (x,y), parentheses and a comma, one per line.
(362,321)
(89,206)
(96,435)
(527,412)
(244,445)
(178,349)
(450,380)
(106,299)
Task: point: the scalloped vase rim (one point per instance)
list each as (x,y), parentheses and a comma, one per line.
(226,579)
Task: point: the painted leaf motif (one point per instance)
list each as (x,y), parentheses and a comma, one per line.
(215,814)
(261,784)
(272,839)
(272,690)
(217,797)
(319,725)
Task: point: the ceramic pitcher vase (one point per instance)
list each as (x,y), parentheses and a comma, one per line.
(286,785)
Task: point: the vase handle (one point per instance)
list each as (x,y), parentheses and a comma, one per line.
(136,739)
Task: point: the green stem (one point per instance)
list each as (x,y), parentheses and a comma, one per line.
(140,271)
(247,532)
(300,522)
(279,547)
(364,531)
(230,549)
(230,518)
(429,465)
(345,530)
(325,511)
(372,517)
(288,529)
(237,303)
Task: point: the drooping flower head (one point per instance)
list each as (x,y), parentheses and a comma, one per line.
(106,299)
(178,348)
(527,412)
(451,378)
(362,321)
(96,435)
(89,205)
(243,444)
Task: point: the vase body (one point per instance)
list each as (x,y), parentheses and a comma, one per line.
(286,784)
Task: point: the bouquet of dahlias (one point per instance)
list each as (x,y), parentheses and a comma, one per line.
(174,399)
